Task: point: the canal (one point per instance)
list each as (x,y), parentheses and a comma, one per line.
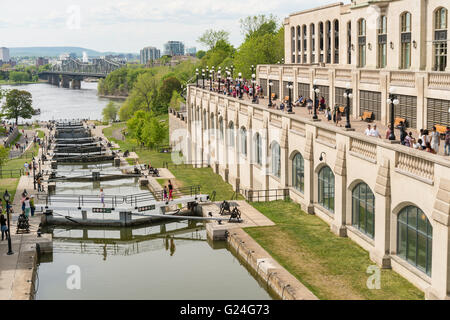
(172,260)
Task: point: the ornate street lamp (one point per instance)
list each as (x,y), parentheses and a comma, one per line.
(219,78)
(34,173)
(240,85)
(392,101)
(270,93)
(228,82)
(196,73)
(290,87)
(7,197)
(213,71)
(348,95)
(316,92)
(203,78)
(232,71)
(253,86)
(210,80)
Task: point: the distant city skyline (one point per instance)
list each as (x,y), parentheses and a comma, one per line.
(101,25)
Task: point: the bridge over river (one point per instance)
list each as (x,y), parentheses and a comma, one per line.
(71,72)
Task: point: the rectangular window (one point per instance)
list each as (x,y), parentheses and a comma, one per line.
(438,112)
(407,109)
(370,101)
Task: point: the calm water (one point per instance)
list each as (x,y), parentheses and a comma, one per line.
(172,261)
(59,103)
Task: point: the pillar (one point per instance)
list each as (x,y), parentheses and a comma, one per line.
(284,157)
(309,173)
(65,83)
(440,271)
(75,84)
(382,194)
(340,180)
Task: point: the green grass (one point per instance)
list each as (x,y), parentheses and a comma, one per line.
(185,175)
(330,266)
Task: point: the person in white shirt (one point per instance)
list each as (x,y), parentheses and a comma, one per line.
(368,130)
(435,140)
(374,132)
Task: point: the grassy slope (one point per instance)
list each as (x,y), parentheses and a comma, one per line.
(185,176)
(331,267)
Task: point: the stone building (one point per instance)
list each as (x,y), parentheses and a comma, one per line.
(392,200)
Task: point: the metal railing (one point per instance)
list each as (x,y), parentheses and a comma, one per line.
(186,164)
(176,193)
(266,195)
(11,173)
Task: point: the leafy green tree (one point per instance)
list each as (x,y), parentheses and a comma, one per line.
(169,85)
(210,37)
(260,25)
(19,76)
(145,91)
(110,112)
(4,155)
(200,54)
(18,104)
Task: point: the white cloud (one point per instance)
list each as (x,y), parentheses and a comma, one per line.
(126,26)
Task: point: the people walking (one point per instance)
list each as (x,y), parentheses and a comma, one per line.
(374,132)
(27,207)
(3,227)
(102,197)
(435,141)
(170,191)
(32,207)
(165,193)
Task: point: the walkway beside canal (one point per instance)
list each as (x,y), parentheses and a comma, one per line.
(17,271)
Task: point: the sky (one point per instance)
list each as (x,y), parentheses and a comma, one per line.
(130,25)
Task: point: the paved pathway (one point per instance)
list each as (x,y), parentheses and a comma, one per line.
(26,141)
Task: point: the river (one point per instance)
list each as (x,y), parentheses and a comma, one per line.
(161,261)
(60,103)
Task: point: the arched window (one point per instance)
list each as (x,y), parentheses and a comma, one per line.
(382,42)
(405,62)
(362,43)
(336,41)
(415,237)
(321,41)
(276,159)
(221,133)
(312,30)
(258,149)
(243,135)
(440,39)
(305,44)
(299,44)
(328,41)
(326,188)
(349,42)
(363,209)
(298,173)
(231,134)
(293,44)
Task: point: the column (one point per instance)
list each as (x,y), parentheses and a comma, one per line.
(309,172)
(382,194)
(284,157)
(340,179)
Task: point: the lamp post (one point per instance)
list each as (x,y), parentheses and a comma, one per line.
(213,71)
(203,78)
(232,71)
(34,173)
(290,87)
(316,92)
(240,85)
(219,77)
(196,73)
(253,86)
(348,95)
(210,80)
(228,82)
(392,101)
(270,93)
(6,197)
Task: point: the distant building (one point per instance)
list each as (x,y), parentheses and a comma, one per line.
(149,53)
(174,48)
(41,61)
(4,54)
(191,51)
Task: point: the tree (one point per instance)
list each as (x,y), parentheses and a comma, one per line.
(145,91)
(19,76)
(4,155)
(255,26)
(110,112)
(169,85)
(18,104)
(211,37)
(200,54)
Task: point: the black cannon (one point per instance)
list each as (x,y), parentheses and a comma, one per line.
(225,208)
(23,225)
(126,154)
(235,215)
